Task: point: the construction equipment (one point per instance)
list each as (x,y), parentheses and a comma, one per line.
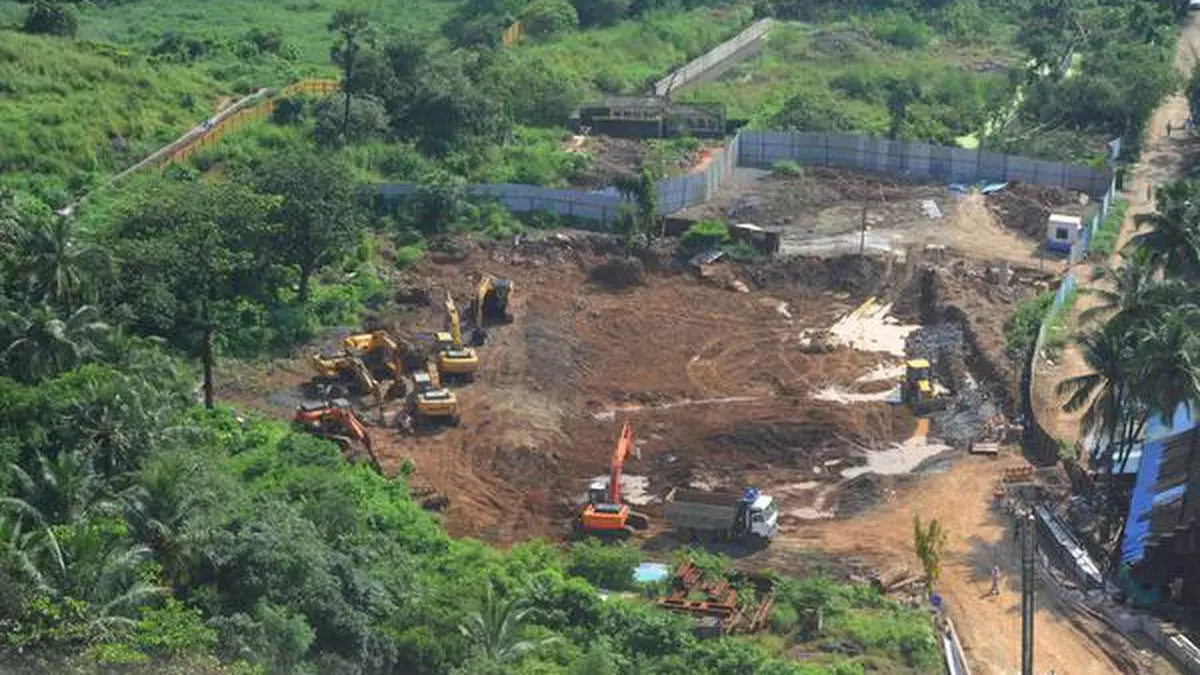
(492,296)
(605,514)
(725,514)
(346,366)
(378,348)
(431,402)
(336,421)
(454,358)
(918,390)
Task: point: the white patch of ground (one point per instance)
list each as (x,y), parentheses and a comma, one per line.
(901,458)
(838,395)
(870,329)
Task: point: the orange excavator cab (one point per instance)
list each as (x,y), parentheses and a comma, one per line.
(336,421)
(605,514)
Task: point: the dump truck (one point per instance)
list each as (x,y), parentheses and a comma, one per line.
(724,514)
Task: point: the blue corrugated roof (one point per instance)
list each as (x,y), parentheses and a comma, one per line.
(1137,528)
(1148,459)
(1183,420)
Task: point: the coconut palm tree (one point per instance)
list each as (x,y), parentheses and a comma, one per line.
(61,269)
(41,344)
(1172,244)
(1167,363)
(495,629)
(58,491)
(1104,393)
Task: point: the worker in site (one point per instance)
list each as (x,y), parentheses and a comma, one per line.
(995,590)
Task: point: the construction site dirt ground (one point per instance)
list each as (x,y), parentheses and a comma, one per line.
(821,212)
(724,388)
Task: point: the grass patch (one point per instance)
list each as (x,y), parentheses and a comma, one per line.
(76,112)
(1104,242)
(1056,324)
(630,56)
(301,22)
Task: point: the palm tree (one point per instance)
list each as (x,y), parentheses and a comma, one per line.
(61,490)
(1173,242)
(1103,393)
(1167,363)
(42,344)
(158,510)
(495,628)
(117,423)
(60,268)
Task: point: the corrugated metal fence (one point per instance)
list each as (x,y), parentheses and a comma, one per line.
(761,149)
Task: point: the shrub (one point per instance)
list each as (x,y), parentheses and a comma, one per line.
(606,566)
(901,30)
(704,235)
(787,167)
(51,18)
(547,17)
(784,618)
(1105,239)
(1021,329)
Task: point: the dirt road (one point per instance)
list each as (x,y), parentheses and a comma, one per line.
(1162,160)
(979,537)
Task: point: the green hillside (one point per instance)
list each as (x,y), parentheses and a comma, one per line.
(74,112)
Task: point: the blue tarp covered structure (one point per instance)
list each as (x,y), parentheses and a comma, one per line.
(1147,460)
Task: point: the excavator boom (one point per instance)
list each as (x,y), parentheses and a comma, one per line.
(624,447)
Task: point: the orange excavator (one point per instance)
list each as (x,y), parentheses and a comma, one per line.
(336,421)
(604,514)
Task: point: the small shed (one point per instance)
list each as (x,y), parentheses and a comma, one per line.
(1062,232)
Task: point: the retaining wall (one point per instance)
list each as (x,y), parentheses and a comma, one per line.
(715,57)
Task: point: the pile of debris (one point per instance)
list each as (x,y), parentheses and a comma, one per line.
(1024,207)
(714,604)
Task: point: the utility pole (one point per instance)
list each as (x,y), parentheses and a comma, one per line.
(862,232)
(1028,548)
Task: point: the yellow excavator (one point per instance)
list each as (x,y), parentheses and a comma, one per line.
(454,358)
(431,402)
(348,366)
(387,356)
(492,297)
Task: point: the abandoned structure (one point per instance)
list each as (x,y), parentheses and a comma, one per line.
(650,117)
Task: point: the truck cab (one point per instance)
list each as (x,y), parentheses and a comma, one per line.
(761,516)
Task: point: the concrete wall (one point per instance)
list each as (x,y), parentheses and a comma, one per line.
(914,160)
(715,57)
(599,207)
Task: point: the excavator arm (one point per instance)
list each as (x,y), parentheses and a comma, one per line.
(485,285)
(624,447)
(455,324)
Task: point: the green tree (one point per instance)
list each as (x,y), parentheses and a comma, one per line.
(641,189)
(352,28)
(547,17)
(186,249)
(1172,244)
(1105,393)
(929,542)
(47,17)
(319,219)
